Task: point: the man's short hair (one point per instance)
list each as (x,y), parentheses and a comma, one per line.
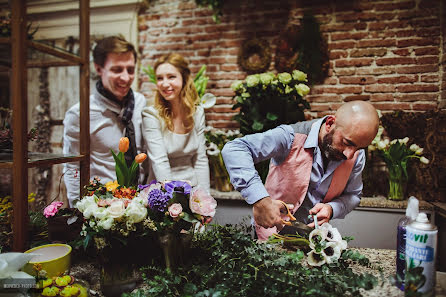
(112,44)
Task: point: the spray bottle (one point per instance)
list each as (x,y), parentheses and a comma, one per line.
(411,214)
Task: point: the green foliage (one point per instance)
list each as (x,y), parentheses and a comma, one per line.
(215,5)
(227,262)
(126,176)
(265,101)
(200,80)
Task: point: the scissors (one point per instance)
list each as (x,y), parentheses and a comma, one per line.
(293,226)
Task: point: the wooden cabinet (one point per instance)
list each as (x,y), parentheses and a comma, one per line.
(20,47)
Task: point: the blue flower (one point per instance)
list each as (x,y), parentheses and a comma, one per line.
(158,200)
(178,186)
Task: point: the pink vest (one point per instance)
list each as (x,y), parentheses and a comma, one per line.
(289,180)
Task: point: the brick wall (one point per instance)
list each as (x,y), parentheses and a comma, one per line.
(390,53)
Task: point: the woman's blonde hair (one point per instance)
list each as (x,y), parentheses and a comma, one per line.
(188,94)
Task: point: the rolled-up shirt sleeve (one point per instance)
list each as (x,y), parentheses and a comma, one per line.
(241,154)
(351,197)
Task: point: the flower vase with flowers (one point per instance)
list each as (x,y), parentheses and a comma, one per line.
(396,154)
(215,141)
(177,210)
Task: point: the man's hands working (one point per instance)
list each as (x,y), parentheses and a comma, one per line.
(267,213)
(324,212)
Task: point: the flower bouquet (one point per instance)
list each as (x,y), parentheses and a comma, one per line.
(177,210)
(215,141)
(397,154)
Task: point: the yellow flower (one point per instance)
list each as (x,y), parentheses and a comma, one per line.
(111,185)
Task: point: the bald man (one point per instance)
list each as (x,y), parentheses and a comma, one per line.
(315,167)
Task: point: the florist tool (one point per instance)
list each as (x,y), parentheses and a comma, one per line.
(293,226)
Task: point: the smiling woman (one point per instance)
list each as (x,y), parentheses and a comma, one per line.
(173,128)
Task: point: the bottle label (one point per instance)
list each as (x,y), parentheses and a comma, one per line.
(420,261)
(401,256)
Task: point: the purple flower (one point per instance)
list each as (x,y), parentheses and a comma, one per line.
(178,186)
(158,200)
(142,187)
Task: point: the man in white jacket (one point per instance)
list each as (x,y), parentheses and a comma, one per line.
(115,112)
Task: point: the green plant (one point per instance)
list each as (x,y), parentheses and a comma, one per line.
(267,100)
(226,262)
(215,5)
(200,80)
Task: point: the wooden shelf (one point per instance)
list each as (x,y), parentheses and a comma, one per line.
(41,159)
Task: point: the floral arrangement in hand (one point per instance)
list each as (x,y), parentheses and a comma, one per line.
(175,205)
(267,100)
(326,245)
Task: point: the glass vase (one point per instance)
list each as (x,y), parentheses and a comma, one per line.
(220,174)
(397,183)
(175,247)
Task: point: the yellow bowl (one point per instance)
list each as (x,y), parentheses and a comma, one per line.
(54,258)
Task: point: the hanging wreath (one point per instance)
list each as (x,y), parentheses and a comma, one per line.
(303,48)
(255,56)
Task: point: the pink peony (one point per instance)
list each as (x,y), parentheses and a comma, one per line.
(52,209)
(175,210)
(202,203)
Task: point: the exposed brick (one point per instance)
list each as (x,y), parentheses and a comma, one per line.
(381,88)
(323,98)
(416,97)
(428,50)
(368,52)
(357,97)
(330,81)
(320,107)
(398,79)
(395,6)
(365,80)
(424,106)
(219,116)
(381,26)
(225,125)
(355,16)
(416,69)
(417,88)
(429,78)
(357,62)
(336,54)
(402,52)
(342,45)
(336,90)
(376,43)
(337,27)
(416,42)
(345,71)
(392,106)
(348,35)
(381,97)
(375,70)
(427,60)
(395,61)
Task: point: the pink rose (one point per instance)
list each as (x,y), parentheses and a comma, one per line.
(202,203)
(175,210)
(52,209)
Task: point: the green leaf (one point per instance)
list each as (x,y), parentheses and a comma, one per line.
(121,168)
(271,116)
(257,126)
(150,73)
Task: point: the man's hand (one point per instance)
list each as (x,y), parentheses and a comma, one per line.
(323,211)
(267,213)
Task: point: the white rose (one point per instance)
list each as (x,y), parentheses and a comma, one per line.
(90,210)
(419,151)
(136,212)
(106,224)
(382,145)
(116,208)
(85,202)
(100,213)
(405,140)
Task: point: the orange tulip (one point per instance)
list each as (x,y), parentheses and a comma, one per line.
(124,144)
(140,158)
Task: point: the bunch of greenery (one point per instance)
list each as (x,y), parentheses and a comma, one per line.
(215,5)
(200,80)
(267,100)
(227,262)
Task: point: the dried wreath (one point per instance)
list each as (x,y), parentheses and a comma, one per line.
(249,49)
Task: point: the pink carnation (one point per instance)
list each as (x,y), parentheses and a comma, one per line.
(202,203)
(52,209)
(175,210)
